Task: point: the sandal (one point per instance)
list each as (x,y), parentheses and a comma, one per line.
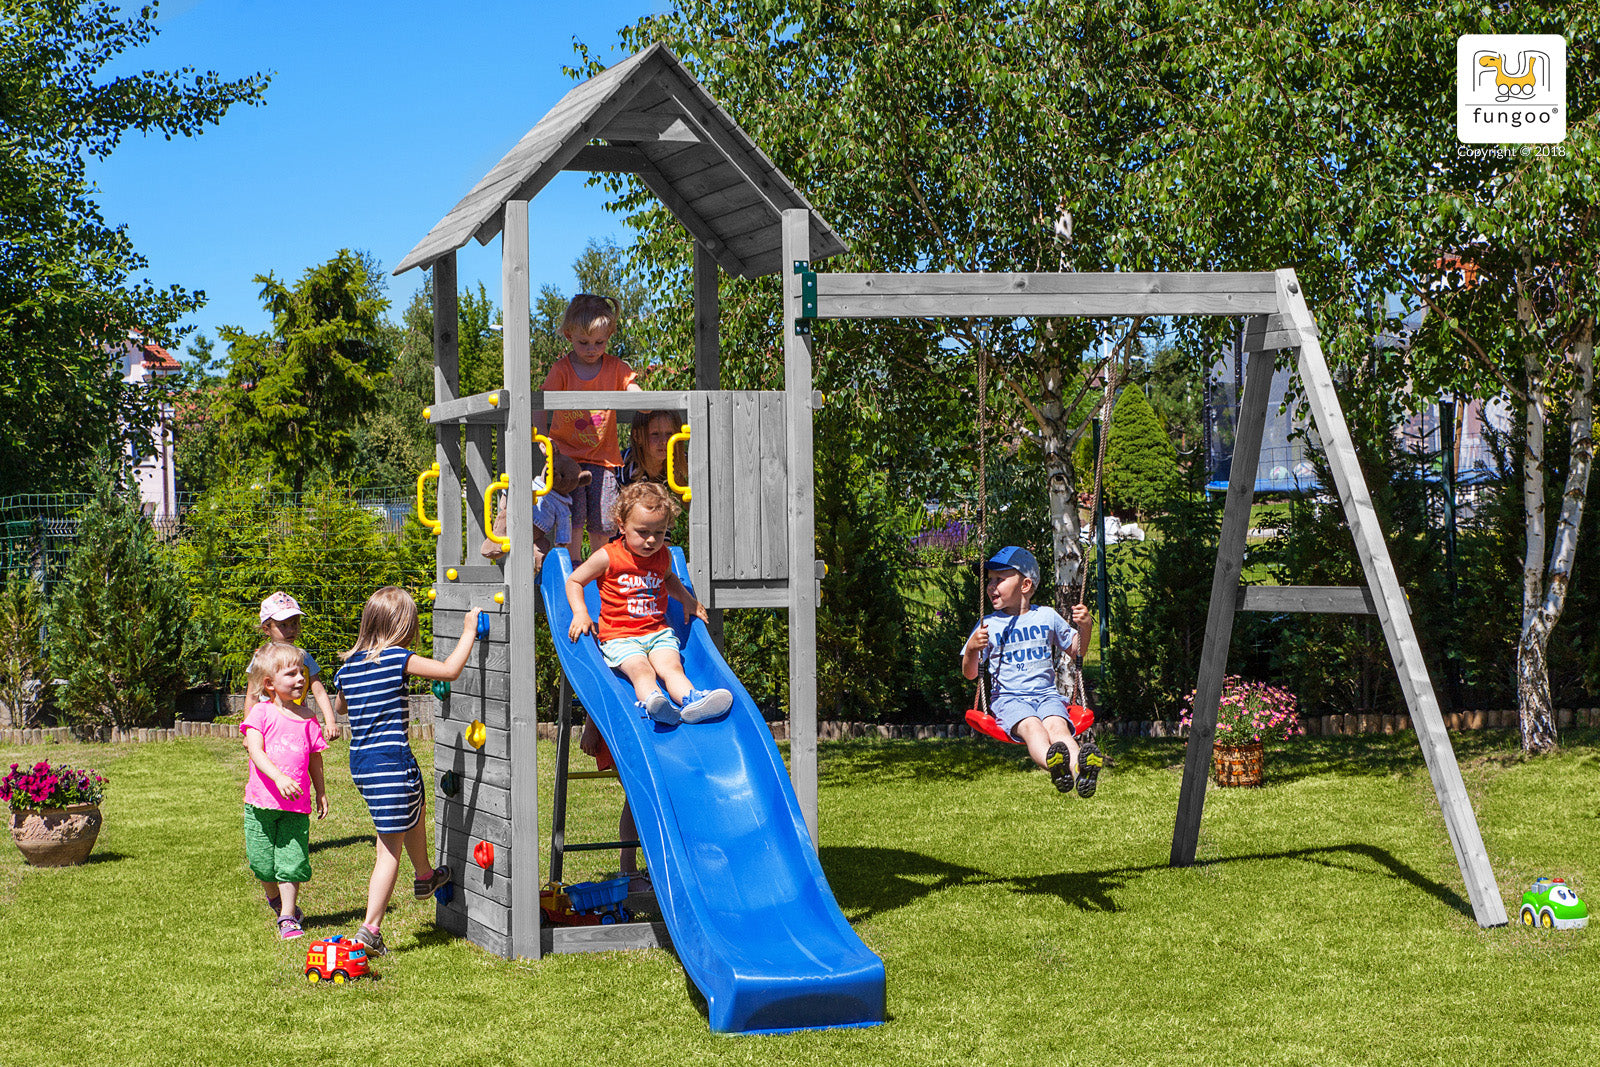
(276,904)
(289,928)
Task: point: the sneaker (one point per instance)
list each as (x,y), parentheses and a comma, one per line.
(369,939)
(701,704)
(1089,763)
(423,888)
(659,707)
(1058,761)
(289,928)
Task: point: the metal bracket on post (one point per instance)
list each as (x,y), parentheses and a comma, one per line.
(808,298)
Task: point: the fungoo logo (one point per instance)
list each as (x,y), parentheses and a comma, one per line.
(1511,88)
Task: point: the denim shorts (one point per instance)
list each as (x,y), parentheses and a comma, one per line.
(620,648)
(1010,710)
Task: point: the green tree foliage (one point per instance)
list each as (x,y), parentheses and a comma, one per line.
(24,667)
(68,293)
(1313,138)
(327,551)
(933,138)
(1160,592)
(296,395)
(120,627)
(1141,464)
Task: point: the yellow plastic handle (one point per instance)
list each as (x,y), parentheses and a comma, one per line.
(672,450)
(502,482)
(422,512)
(549,463)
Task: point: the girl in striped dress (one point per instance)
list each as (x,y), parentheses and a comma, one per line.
(372,691)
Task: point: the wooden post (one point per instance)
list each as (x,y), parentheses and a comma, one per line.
(707,321)
(517,450)
(707,377)
(1389,599)
(1224,598)
(802,526)
(446,387)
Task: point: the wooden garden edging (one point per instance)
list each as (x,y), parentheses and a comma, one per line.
(1349,725)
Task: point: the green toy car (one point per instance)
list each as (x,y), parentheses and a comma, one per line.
(1552,904)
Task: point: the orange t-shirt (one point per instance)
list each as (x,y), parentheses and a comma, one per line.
(588,436)
(632,602)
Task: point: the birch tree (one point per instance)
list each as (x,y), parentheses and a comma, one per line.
(1323,138)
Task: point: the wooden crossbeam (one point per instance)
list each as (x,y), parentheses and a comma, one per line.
(1309,599)
(596,399)
(1268,333)
(608,159)
(643,126)
(479,407)
(1049,295)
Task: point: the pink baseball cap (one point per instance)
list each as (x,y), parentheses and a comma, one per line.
(279,606)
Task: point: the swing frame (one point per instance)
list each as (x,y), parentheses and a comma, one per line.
(1277,319)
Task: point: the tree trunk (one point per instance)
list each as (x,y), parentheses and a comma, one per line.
(1543,603)
(1057,437)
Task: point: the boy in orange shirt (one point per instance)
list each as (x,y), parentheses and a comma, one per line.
(590,437)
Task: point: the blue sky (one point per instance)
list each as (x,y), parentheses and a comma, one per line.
(380,116)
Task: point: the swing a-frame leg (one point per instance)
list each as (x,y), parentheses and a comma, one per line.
(1293,327)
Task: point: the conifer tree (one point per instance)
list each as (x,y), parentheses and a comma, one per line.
(1141,464)
(119,621)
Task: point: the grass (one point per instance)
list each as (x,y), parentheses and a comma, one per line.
(1325,923)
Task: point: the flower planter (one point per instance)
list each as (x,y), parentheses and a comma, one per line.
(56,837)
(1238,765)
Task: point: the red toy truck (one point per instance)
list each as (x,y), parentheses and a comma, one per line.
(337,960)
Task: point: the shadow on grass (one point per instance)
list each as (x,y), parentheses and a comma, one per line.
(336,918)
(341,842)
(868,881)
(105,857)
(957,759)
(963,759)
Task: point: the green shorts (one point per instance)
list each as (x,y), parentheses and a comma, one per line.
(277,844)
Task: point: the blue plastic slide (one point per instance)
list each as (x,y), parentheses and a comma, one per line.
(751,916)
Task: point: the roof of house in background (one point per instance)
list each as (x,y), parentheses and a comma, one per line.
(659,124)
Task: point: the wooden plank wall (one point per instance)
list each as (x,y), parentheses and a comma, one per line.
(480,909)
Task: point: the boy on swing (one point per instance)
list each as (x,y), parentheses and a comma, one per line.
(1016,645)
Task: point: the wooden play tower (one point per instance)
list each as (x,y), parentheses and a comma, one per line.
(750,460)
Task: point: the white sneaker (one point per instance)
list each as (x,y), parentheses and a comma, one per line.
(659,707)
(701,705)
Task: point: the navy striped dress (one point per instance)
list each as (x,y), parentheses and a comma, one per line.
(385,772)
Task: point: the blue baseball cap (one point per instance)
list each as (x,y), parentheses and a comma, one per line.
(1012,558)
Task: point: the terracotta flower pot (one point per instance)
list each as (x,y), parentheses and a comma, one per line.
(1238,765)
(56,837)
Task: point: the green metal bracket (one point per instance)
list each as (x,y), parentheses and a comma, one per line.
(808,297)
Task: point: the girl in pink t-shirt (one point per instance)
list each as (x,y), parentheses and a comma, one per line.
(590,437)
(285,746)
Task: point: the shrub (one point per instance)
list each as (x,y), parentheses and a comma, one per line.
(120,622)
(24,668)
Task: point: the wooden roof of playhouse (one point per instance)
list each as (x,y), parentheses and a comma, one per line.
(659,123)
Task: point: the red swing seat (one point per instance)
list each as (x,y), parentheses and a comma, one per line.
(982,722)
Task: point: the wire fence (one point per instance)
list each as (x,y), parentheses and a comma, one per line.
(329,548)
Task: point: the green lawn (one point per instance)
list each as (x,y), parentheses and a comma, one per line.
(1326,924)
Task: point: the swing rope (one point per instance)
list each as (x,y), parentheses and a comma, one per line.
(979,717)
